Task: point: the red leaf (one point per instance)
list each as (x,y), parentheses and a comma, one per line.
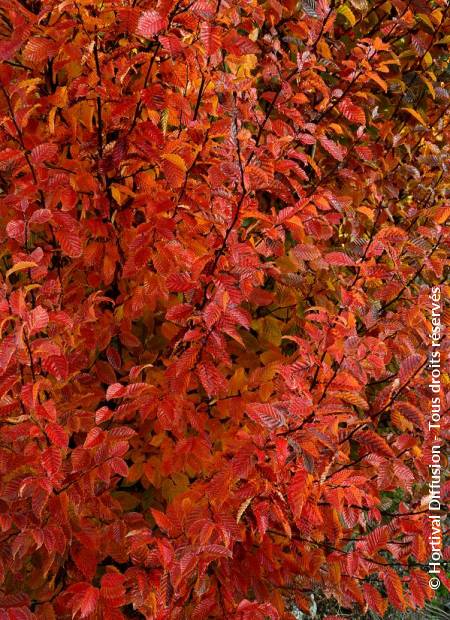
(174,169)
(211,379)
(70,242)
(179,312)
(116,390)
(411,413)
(40,216)
(15,229)
(43,152)
(112,589)
(37,320)
(374,599)
(39,49)
(162,521)
(376,539)
(114,358)
(89,601)
(7,349)
(57,435)
(103,414)
(298,492)
(394,589)
(179,282)
(339,259)
(94,437)
(266,414)
(150,23)
(171,43)
(409,367)
(375,443)
(354,113)
(306,252)
(255,178)
(85,559)
(52,461)
(119,466)
(336,150)
(57,365)
(210,37)
(216,551)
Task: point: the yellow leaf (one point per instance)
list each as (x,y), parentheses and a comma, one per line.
(60,98)
(20,266)
(360,5)
(5,320)
(172,487)
(429,85)
(31,287)
(265,391)
(242,508)
(18,420)
(407,53)
(366,211)
(116,194)
(41,384)
(425,19)
(353,398)
(441,214)
(400,422)
(134,474)
(164,120)
(295,220)
(437,15)
(324,50)
(119,193)
(347,13)
(271,330)
(242,65)
(253,36)
(376,78)
(107,16)
(51,120)
(28,85)
(119,313)
(157,439)
(337,128)
(416,451)
(127,500)
(379,45)
(152,115)
(334,571)
(237,381)
(26,117)
(176,160)
(83,112)
(427,60)
(415,114)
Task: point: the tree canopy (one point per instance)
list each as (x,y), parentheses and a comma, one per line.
(221,222)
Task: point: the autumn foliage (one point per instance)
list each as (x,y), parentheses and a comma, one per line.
(220,222)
